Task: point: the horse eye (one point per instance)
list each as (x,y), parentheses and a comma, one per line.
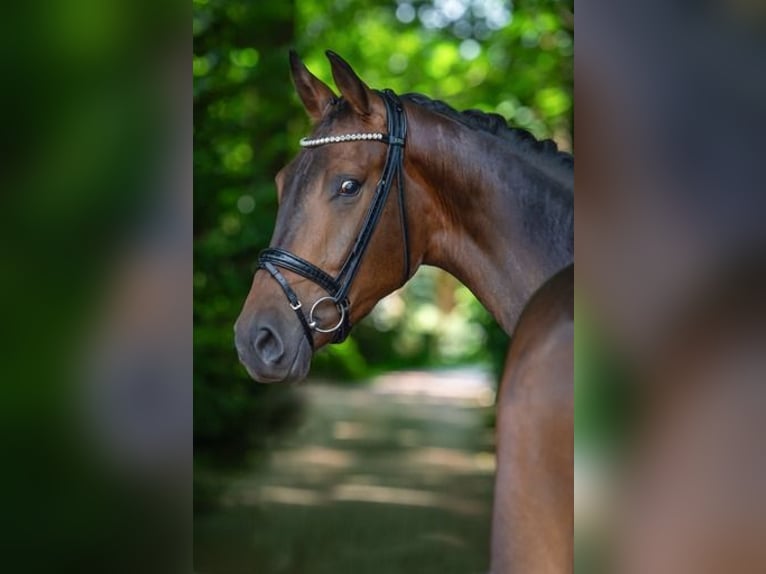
(349,187)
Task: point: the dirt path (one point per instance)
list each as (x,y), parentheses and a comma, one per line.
(394,477)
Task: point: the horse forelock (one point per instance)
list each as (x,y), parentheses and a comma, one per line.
(338,111)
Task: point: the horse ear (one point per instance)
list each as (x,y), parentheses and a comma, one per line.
(350,85)
(313,92)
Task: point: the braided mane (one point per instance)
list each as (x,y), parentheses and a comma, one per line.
(495,124)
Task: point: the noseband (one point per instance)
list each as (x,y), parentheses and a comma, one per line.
(273,258)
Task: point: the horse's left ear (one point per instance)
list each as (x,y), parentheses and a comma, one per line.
(313,92)
(354,90)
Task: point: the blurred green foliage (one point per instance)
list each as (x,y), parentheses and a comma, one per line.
(513,59)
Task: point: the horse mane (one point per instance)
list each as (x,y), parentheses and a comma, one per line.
(548,217)
(522,140)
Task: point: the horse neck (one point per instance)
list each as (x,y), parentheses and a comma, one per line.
(500,221)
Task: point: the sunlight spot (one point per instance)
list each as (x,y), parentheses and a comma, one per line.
(563,42)
(443,57)
(563,139)
(469,49)
(426,318)
(485,398)
(363,479)
(530,38)
(284,495)
(553,101)
(506,108)
(316,455)
(238,157)
(388,312)
(385,495)
(243,153)
(201,66)
(476,74)
(445,538)
(458,338)
(236,75)
(406,497)
(452,9)
(485,461)
(245,58)
(453,459)
(230,224)
(246,204)
(432,18)
(592,490)
(495,12)
(346,430)
(524,115)
(466,387)
(397,63)
(498,56)
(405,13)
(316,27)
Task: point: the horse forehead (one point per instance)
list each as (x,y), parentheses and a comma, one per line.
(301,169)
(311,165)
(307,171)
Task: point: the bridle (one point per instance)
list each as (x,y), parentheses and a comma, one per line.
(273,258)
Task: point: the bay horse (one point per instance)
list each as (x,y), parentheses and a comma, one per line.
(386,183)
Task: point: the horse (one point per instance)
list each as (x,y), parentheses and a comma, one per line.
(386,183)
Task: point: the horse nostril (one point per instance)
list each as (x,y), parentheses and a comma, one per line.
(268,346)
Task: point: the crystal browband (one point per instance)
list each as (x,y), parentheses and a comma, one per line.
(373,136)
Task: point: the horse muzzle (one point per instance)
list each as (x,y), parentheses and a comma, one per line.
(271,349)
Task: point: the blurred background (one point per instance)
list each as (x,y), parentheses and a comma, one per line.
(95,259)
(670,321)
(383,461)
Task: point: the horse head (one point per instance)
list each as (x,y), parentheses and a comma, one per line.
(341,239)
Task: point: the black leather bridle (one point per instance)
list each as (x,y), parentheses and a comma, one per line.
(273,258)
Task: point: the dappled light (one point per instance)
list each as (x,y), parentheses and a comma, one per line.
(405,497)
(316,456)
(276,494)
(347,430)
(469,387)
(452,460)
(414,442)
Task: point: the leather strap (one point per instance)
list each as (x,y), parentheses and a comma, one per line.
(397,133)
(295,303)
(287,260)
